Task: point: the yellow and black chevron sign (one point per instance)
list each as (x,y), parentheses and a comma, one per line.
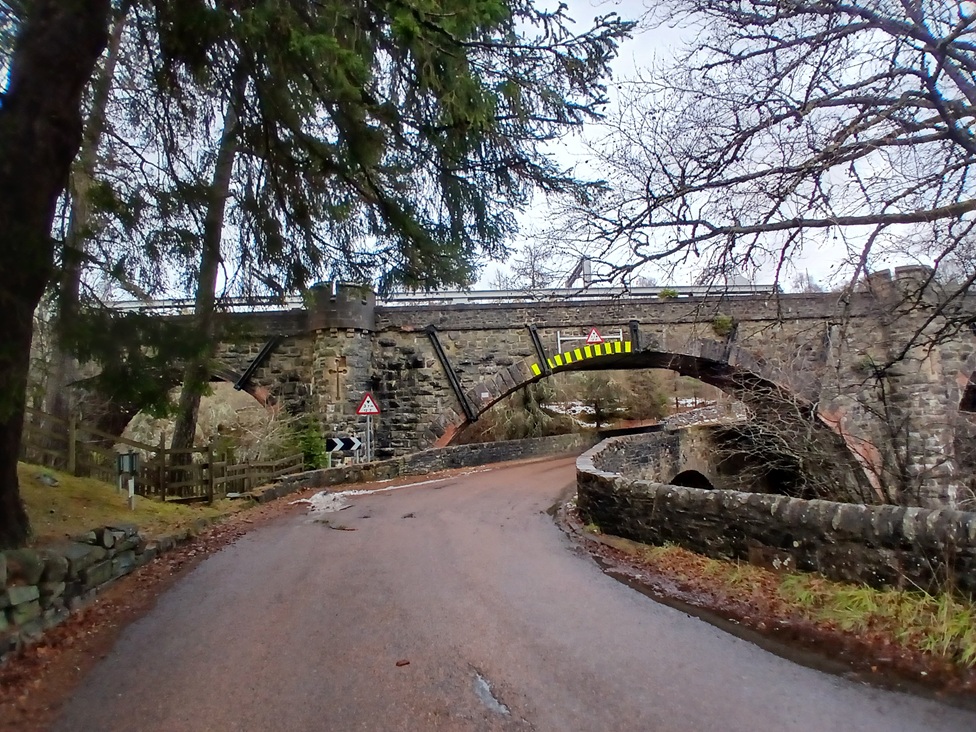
(565,358)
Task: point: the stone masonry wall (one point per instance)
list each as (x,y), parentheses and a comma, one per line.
(660,456)
(901,425)
(39,588)
(876,545)
(431,461)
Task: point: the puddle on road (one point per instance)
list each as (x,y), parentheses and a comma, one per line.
(483,690)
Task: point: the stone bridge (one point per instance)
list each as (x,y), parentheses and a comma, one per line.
(434,367)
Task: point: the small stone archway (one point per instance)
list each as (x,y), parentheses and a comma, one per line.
(113,418)
(692,479)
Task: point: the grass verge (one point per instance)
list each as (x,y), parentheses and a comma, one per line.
(76,505)
(942,626)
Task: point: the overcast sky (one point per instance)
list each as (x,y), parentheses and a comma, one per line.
(650,46)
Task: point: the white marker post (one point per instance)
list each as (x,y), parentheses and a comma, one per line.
(368,408)
(128,465)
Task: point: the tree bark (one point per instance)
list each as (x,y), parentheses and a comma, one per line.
(64,366)
(197,373)
(40,133)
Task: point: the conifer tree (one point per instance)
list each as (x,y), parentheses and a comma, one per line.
(388,141)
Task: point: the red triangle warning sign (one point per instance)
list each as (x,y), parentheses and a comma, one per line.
(367,407)
(594,337)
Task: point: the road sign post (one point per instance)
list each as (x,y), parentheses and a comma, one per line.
(590,338)
(368,408)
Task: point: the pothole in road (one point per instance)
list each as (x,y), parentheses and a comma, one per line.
(483,691)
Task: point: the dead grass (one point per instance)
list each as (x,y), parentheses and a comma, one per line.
(77,505)
(942,625)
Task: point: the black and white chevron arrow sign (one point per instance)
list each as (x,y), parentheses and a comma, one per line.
(342,444)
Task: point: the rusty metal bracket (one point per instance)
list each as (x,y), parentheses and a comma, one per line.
(539,350)
(452,376)
(266,351)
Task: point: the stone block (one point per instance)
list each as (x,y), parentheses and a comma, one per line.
(79,556)
(123,563)
(24,565)
(55,566)
(147,555)
(126,529)
(19,594)
(24,612)
(54,616)
(97,574)
(51,590)
(130,542)
(106,537)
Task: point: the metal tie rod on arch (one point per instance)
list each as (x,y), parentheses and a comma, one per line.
(250,304)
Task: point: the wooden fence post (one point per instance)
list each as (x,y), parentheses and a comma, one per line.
(161,458)
(72,466)
(210,472)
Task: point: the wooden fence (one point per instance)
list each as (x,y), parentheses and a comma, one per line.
(197,474)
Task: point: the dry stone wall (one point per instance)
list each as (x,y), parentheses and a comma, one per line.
(41,587)
(877,545)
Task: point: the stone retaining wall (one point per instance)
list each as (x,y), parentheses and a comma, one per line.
(429,461)
(41,587)
(876,545)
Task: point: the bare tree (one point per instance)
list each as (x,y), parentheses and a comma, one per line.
(786,125)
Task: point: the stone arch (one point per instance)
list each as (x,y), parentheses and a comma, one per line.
(692,479)
(113,417)
(724,365)
(718,363)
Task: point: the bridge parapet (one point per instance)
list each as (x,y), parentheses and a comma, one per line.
(877,545)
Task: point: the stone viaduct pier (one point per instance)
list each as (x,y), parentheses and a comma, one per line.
(867,367)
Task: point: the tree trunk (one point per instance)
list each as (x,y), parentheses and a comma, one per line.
(64,367)
(197,373)
(40,133)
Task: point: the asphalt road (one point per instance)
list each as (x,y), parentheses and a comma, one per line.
(300,625)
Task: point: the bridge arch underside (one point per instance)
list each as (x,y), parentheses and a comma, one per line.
(790,415)
(113,416)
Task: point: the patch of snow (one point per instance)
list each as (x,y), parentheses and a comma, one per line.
(332,501)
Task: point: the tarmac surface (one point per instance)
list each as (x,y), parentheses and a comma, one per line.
(452,604)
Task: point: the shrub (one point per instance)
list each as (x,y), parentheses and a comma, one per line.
(723,325)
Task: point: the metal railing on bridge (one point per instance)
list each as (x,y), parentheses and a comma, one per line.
(460,297)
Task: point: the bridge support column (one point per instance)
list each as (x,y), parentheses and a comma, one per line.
(914,396)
